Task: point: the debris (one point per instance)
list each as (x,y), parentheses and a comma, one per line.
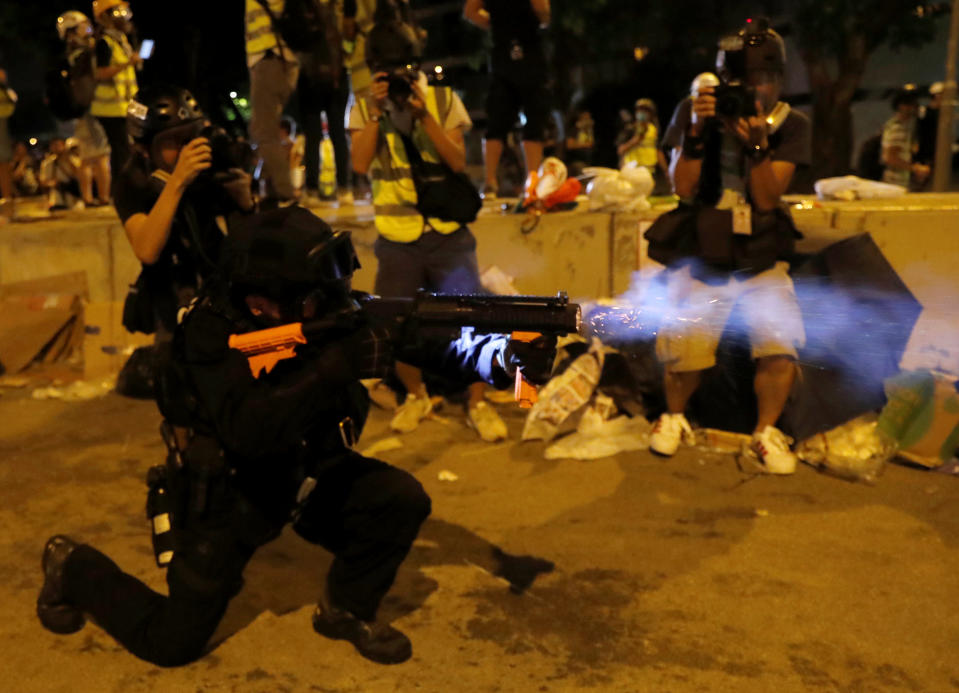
(857,450)
(381,394)
(721,441)
(625,190)
(498,282)
(564,394)
(381,446)
(854,188)
(602,439)
(447,475)
(922,416)
(75,392)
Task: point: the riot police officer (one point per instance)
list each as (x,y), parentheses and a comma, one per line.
(255,453)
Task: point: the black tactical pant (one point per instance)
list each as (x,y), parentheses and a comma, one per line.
(365,512)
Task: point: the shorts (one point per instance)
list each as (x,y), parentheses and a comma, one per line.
(91,137)
(508,94)
(768,315)
(442,263)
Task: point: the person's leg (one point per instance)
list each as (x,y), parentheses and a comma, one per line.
(271,83)
(535,102)
(311,120)
(367,514)
(341,144)
(532,154)
(501,112)
(116,132)
(774,380)
(85,178)
(401,272)
(165,630)
(101,173)
(680,387)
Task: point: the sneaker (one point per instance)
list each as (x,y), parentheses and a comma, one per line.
(345,198)
(54,612)
(378,642)
(489,192)
(486,422)
(409,414)
(668,432)
(770,448)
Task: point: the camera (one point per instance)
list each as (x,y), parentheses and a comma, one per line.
(400,81)
(735,100)
(226,151)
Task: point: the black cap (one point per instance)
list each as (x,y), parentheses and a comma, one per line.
(754,47)
(392,43)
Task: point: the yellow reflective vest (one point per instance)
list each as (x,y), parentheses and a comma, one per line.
(112,96)
(260,36)
(394,194)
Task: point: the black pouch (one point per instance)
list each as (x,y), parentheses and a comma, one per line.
(714,237)
(138,307)
(670,236)
(441,192)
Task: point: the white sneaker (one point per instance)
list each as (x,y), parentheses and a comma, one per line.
(771,449)
(668,432)
(486,422)
(409,414)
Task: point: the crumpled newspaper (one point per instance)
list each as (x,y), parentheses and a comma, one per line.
(564,394)
(857,450)
(600,435)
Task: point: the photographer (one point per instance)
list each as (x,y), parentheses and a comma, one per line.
(736,148)
(403,113)
(172,198)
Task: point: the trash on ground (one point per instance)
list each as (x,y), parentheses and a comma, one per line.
(447,475)
(922,416)
(857,450)
(75,392)
(721,441)
(598,435)
(626,189)
(381,394)
(381,446)
(564,394)
(854,188)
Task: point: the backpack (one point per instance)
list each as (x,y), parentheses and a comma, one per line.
(70,87)
(311,27)
(869,163)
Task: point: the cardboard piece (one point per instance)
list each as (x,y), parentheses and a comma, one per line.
(922,415)
(41,320)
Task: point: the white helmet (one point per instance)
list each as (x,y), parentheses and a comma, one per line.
(71,20)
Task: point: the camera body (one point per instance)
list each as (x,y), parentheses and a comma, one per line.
(735,99)
(400,80)
(226,151)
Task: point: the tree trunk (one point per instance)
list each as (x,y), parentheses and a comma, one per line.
(832,133)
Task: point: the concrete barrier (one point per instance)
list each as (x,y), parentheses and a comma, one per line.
(587,254)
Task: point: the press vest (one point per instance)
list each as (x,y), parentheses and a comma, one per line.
(260,36)
(394,193)
(112,96)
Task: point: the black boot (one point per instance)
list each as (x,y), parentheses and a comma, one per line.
(378,642)
(54,612)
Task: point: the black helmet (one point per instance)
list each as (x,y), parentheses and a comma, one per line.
(754,47)
(287,253)
(161,108)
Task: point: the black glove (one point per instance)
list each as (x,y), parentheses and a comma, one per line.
(534,359)
(372,352)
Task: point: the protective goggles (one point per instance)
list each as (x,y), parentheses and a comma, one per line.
(335,259)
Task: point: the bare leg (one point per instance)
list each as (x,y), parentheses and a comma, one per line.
(493,150)
(476,393)
(774,380)
(101,173)
(85,176)
(412,379)
(533,154)
(679,387)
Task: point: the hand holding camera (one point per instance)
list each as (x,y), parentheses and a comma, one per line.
(195,157)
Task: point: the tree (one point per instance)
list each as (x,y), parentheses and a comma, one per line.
(835,40)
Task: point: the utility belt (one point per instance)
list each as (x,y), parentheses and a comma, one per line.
(195,485)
